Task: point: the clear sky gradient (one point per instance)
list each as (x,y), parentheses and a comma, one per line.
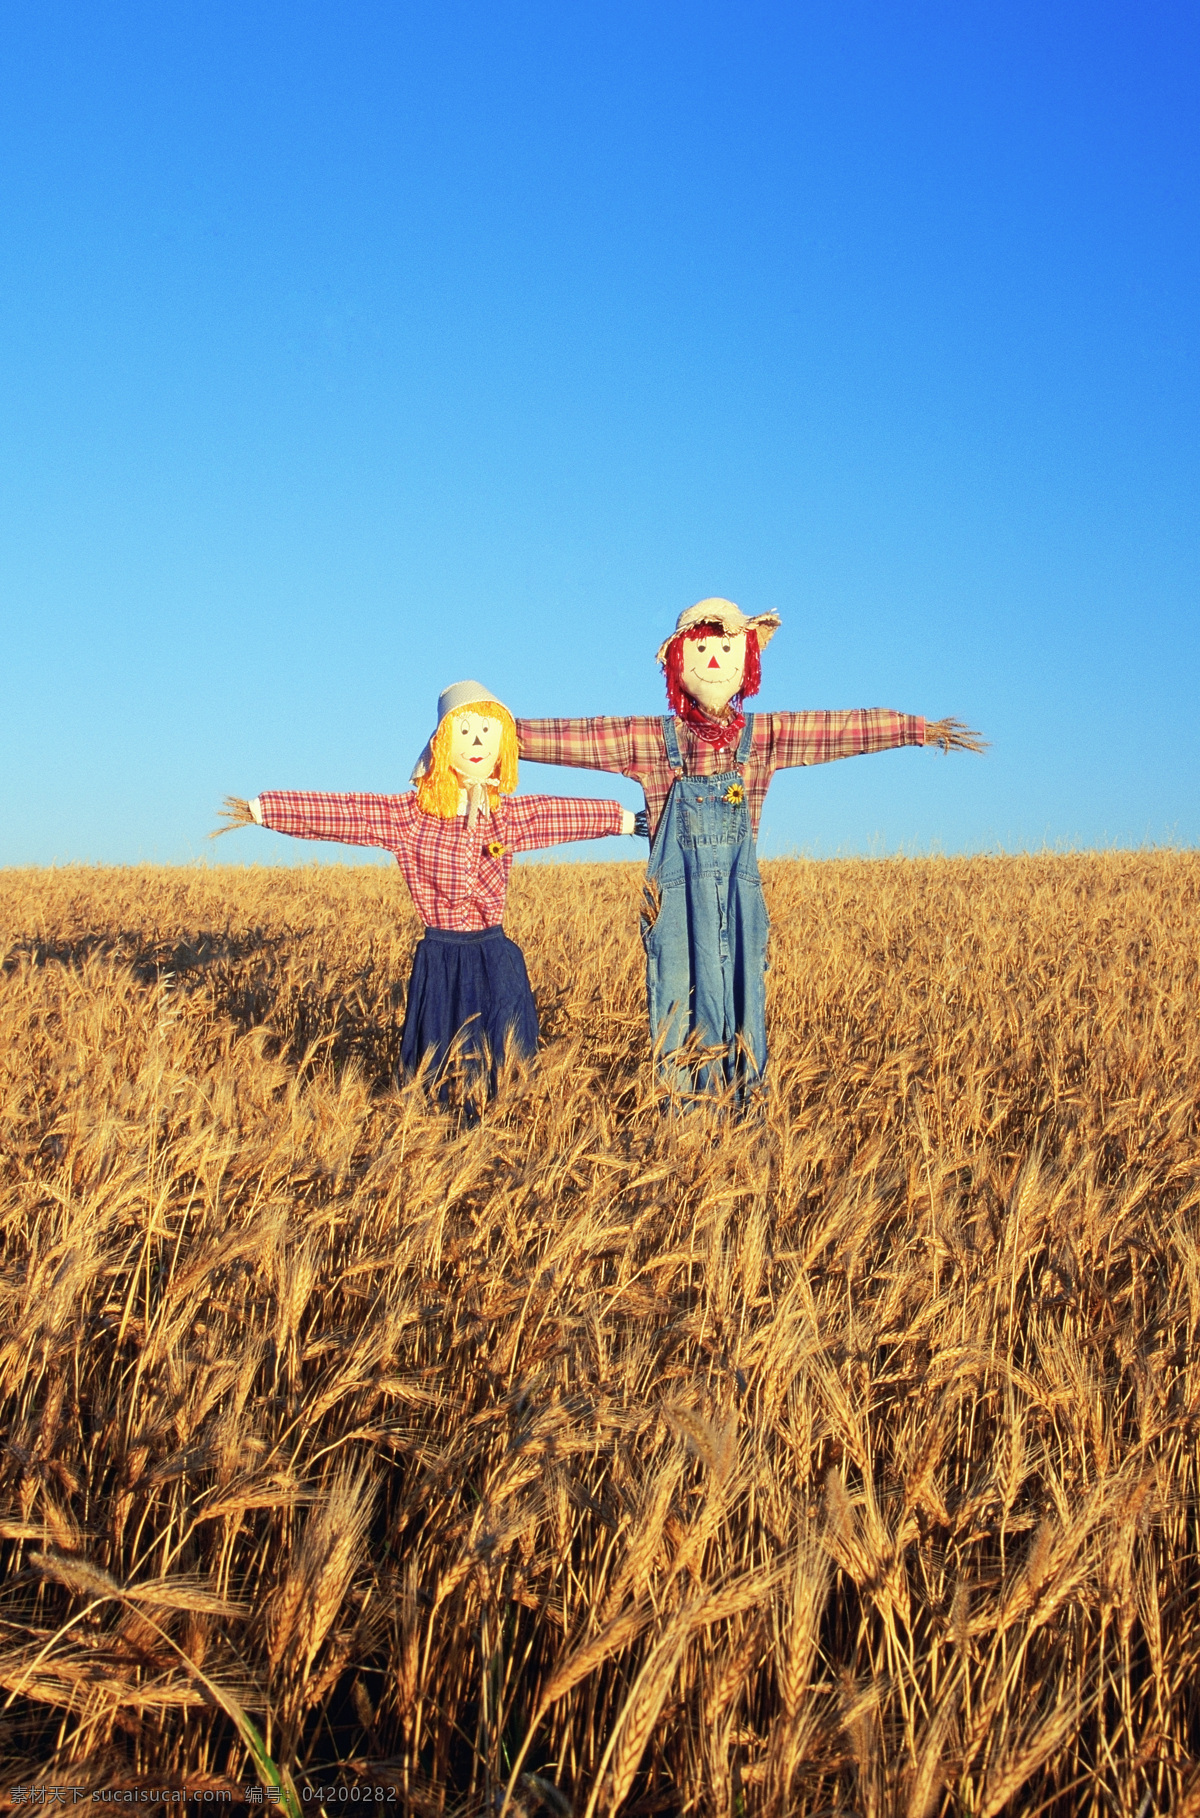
(349,349)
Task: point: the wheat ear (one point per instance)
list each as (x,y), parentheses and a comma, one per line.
(1011,1774)
(576,1666)
(639,1714)
(82,1578)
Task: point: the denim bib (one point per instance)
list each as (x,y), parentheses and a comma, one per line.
(706,950)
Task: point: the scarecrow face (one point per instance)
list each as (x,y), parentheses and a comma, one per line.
(474,746)
(713,667)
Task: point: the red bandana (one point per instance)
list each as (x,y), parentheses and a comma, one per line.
(714,732)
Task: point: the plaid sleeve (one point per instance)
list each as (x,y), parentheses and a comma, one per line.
(596,744)
(550,820)
(356,820)
(818,738)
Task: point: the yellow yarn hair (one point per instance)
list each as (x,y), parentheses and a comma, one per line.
(437,790)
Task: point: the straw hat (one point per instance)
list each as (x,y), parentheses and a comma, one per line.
(459,694)
(729,617)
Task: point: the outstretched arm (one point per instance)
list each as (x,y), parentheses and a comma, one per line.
(819,738)
(352,819)
(602,743)
(533,821)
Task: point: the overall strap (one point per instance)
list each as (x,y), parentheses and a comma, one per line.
(671,741)
(745,742)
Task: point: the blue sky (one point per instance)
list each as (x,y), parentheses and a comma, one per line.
(350,349)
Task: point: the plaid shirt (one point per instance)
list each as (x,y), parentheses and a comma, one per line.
(457,878)
(636,748)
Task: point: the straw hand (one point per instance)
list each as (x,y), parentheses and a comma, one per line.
(235,813)
(953,735)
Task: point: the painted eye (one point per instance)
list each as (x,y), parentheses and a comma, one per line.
(702,648)
(724,647)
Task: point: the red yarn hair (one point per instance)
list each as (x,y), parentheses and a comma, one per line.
(751,677)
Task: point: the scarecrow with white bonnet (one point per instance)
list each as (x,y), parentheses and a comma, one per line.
(704,769)
(454,836)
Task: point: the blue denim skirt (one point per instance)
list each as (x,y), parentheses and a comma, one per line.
(468,1000)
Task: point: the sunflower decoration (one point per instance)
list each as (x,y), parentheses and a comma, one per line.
(735,795)
(495,848)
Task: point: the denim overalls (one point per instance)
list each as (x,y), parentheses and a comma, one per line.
(706,951)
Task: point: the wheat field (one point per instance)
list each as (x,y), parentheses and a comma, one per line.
(838,1459)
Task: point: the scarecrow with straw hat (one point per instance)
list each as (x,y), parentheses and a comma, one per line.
(454,836)
(704,769)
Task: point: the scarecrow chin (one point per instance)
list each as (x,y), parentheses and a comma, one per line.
(713,696)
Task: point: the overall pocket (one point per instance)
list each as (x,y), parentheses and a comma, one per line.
(710,820)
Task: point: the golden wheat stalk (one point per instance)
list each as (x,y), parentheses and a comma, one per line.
(639,1714)
(1019,1765)
(572,1670)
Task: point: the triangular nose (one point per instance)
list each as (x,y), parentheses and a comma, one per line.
(713,663)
